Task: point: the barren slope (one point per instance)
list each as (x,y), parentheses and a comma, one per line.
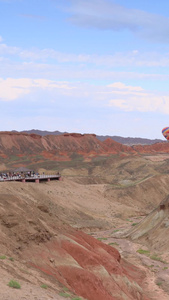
(47,250)
(153,230)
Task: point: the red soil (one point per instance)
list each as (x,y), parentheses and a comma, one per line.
(88,267)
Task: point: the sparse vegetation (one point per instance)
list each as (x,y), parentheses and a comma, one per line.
(113,244)
(65,288)
(44,286)
(142,251)
(65,295)
(2,257)
(134,224)
(11,258)
(102,239)
(76,157)
(159,283)
(157,258)
(153,257)
(14,284)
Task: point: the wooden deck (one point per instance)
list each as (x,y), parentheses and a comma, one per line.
(35,178)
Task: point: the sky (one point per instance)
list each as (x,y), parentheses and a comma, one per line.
(86,66)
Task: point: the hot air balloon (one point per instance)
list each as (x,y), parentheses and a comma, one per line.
(165,132)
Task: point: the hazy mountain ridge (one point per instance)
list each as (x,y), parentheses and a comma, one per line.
(130,140)
(122,140)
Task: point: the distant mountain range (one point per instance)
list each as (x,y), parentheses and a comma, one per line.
(129,140)
(122,140)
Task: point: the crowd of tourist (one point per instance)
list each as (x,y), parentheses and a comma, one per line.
(17,174)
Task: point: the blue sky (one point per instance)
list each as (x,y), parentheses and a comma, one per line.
(88,66)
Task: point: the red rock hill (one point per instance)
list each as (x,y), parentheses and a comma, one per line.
(63,146)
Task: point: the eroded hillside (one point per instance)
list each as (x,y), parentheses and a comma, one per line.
(153,230)
(38,245)
(60,151)
(46,229)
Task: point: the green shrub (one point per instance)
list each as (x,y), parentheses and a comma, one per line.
(44,286)
(157,258)
(14,284)
(134,224)
(65,295)
(102,239)
(2,257)
(65,289)
(141,251)
(11,258)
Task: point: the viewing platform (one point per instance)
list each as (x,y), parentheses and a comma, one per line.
(32,178)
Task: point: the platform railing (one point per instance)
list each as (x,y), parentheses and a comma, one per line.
(20,177)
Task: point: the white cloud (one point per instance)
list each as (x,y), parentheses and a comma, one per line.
(76,72)
(7,50)
(103,15)
(122,86)
(76,67)
(128,98)
(141,103)
(133,58)
(116,95)
(12,89)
